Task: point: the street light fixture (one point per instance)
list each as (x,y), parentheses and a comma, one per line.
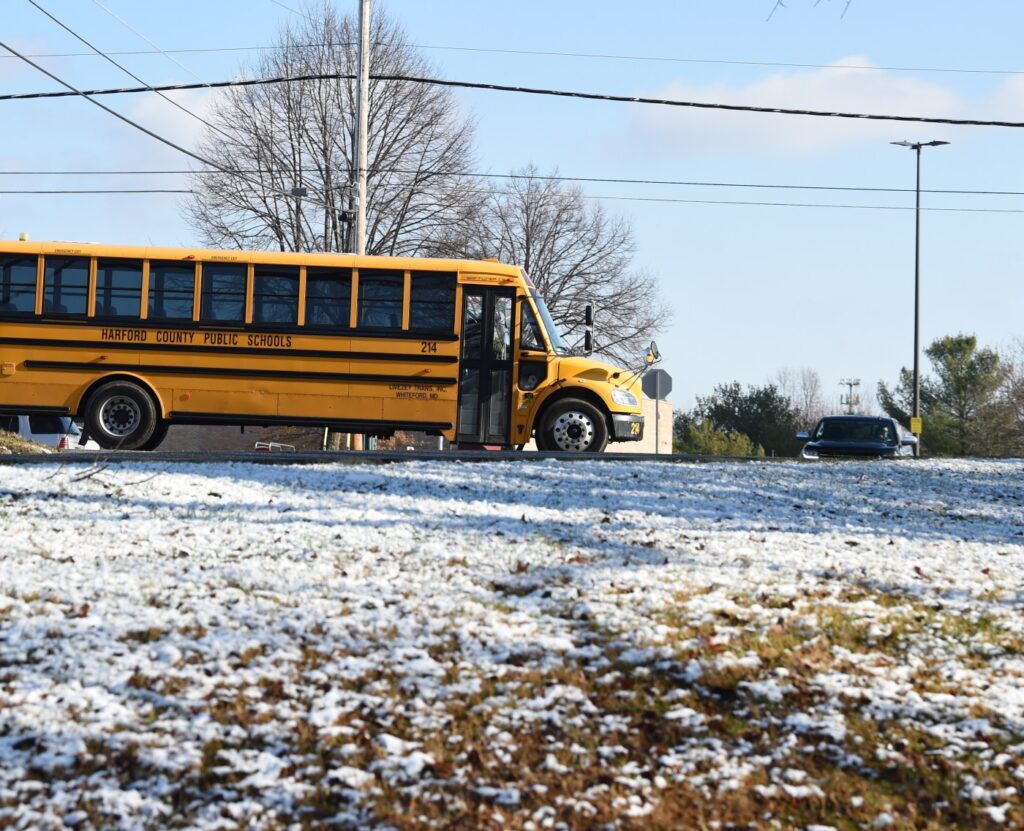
(916,146)
(298,193)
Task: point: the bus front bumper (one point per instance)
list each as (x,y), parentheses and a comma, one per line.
(628,427)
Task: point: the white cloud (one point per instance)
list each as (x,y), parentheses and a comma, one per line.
(668,130)
(156,114)
(1006,102)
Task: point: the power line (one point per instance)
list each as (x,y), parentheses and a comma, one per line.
(137,126)
(805,205)
(667,59)
(92,191)
(588,96)
(270,149)
(550,178)
(544,53)
(612,56)
(139,34)
(592,196)
(123,68)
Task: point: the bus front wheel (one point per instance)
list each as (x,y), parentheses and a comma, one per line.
(121,416)
(573,425)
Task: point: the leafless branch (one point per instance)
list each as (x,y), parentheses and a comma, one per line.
(575,253)
(303,134)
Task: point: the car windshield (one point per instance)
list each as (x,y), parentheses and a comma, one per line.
(554,335)
(855,429)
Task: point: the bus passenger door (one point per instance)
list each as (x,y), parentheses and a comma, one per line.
(485,369)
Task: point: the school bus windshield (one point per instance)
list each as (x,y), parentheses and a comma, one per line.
(559,345)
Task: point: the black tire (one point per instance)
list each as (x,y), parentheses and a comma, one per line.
(573,425)
(121,415)
(159,434)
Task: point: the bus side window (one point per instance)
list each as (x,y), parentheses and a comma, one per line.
(17,285)
(223,292)
(172,288)
(275,295)
(65,285)
(328,297)
(380,298)
(118,288)
(432,301)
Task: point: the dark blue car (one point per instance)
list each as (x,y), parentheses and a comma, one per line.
(851,436)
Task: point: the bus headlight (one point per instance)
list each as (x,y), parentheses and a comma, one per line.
(624,398)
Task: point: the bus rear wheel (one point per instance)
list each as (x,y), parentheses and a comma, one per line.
(159,434)
(121,415)
(573,425)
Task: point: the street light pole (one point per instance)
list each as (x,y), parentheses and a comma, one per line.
(916,146)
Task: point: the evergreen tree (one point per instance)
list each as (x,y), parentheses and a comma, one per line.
(704,437)
(763,414)
(962,410)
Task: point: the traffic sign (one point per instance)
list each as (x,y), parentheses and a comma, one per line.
(915,425)
(657,384)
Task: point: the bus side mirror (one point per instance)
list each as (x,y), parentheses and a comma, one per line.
(653,355)
(588,315)
(588,341)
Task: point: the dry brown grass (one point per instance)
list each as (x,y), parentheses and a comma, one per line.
(17,444)
(577,761)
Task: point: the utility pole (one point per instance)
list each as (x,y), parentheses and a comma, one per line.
(851,399)
(364,115)
(357,195)
(363,111)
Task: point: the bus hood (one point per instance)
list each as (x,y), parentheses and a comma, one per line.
(580,369)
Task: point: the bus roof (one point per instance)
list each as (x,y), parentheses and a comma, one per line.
(93,249)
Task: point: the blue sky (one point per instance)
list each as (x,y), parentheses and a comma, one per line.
(753,288)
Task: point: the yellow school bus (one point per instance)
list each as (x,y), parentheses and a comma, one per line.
(134,339)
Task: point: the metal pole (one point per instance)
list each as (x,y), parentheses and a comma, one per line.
(917,297)
(657,420)
(362,126)
(364,98)
(916,146)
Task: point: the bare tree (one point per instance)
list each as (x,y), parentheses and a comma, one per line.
(302,134)
(803,389)
(780,4)
(575,253)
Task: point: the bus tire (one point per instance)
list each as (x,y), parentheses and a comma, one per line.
(121,415)
(159,434)
(573,425)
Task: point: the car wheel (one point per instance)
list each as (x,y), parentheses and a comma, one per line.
(573,425)
(121,415)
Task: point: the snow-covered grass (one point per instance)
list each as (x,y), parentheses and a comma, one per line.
(498,645)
